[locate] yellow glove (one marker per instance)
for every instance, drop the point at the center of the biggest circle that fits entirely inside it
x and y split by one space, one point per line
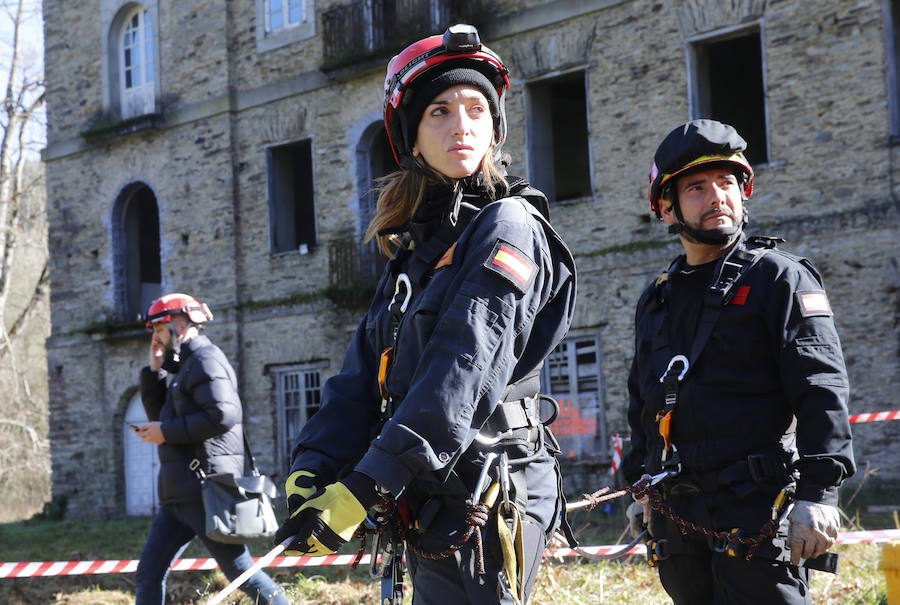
323 523
300 485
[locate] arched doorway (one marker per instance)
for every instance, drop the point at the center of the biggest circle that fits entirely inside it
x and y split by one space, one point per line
141 464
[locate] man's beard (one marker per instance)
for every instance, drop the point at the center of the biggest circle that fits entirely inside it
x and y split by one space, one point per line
171 362
718 235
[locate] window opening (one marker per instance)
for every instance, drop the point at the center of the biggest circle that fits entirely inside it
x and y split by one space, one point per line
299 392
559 159
572 376
137 60
140 250
291 205
729 87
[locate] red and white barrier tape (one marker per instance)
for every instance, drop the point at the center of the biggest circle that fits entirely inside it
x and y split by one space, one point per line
617 453
875 416
71 568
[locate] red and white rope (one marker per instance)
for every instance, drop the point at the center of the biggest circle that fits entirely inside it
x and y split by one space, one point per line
25 569
875 416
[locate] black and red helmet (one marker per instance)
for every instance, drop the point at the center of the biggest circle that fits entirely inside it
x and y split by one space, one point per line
456 57
694 144
164 308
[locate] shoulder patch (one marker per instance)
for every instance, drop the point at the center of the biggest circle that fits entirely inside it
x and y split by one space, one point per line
813 303
512 264
447 258
740 297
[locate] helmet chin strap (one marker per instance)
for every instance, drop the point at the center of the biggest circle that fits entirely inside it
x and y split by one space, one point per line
176 341
712 237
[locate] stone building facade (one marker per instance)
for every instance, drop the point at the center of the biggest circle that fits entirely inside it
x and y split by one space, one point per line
227 149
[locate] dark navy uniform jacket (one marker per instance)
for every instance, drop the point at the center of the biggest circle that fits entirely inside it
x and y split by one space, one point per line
773 354
200 415
499 301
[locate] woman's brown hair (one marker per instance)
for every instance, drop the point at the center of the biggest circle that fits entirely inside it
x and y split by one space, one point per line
401 192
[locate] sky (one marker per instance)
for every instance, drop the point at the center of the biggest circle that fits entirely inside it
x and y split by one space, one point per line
31 58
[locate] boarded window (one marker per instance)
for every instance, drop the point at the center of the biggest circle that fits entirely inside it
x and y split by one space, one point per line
572 376
292 215
558 158
729 87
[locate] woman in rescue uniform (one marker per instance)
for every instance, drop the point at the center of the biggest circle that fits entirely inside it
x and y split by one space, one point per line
479 289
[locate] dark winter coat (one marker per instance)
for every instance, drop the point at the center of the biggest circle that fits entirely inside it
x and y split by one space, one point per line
200 415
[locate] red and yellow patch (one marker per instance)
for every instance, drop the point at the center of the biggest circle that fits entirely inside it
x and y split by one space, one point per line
447 258
813 303
512 264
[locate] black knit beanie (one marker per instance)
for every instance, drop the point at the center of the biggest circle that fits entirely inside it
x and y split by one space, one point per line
442 80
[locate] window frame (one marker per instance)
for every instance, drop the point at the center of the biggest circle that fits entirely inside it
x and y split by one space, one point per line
269 39
123 263
279 374
536 152
272 201
113 18
696 96
601 451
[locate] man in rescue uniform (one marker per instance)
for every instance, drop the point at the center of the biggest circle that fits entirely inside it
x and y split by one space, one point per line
443 372
737 389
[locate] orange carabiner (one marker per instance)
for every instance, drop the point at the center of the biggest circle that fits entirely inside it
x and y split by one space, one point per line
384 364
665 427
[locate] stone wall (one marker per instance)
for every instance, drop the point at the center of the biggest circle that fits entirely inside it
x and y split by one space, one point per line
827 188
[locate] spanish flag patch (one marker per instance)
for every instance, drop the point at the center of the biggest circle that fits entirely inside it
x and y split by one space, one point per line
813 303
513 264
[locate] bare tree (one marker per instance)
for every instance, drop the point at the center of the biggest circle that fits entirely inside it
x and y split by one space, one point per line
24 282
24 96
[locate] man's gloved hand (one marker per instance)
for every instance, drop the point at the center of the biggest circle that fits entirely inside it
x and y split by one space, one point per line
638 515
328 519
300 485
813 529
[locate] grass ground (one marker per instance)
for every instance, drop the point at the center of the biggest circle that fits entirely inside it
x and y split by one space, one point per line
560 582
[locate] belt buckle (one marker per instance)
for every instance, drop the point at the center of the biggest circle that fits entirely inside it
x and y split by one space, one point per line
756 465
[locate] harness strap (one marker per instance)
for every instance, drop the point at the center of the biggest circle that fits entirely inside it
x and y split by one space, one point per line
510 532
717 297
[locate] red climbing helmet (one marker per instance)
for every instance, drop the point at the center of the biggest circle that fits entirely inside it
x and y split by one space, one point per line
430 66
165 307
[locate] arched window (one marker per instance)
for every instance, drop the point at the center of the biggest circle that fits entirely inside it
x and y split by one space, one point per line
136 64
136 243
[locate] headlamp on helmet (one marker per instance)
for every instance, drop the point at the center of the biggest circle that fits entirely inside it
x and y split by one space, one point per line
456 57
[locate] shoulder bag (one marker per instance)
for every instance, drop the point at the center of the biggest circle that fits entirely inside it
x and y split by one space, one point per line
238 509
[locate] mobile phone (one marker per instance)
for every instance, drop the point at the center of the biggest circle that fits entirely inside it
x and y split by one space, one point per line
134 427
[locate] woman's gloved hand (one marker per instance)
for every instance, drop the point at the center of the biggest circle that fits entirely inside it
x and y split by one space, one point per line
329 518
813 529
300 485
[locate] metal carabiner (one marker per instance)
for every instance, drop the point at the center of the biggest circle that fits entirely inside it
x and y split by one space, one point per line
482 478
504 479
485 440
672 362
403 278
